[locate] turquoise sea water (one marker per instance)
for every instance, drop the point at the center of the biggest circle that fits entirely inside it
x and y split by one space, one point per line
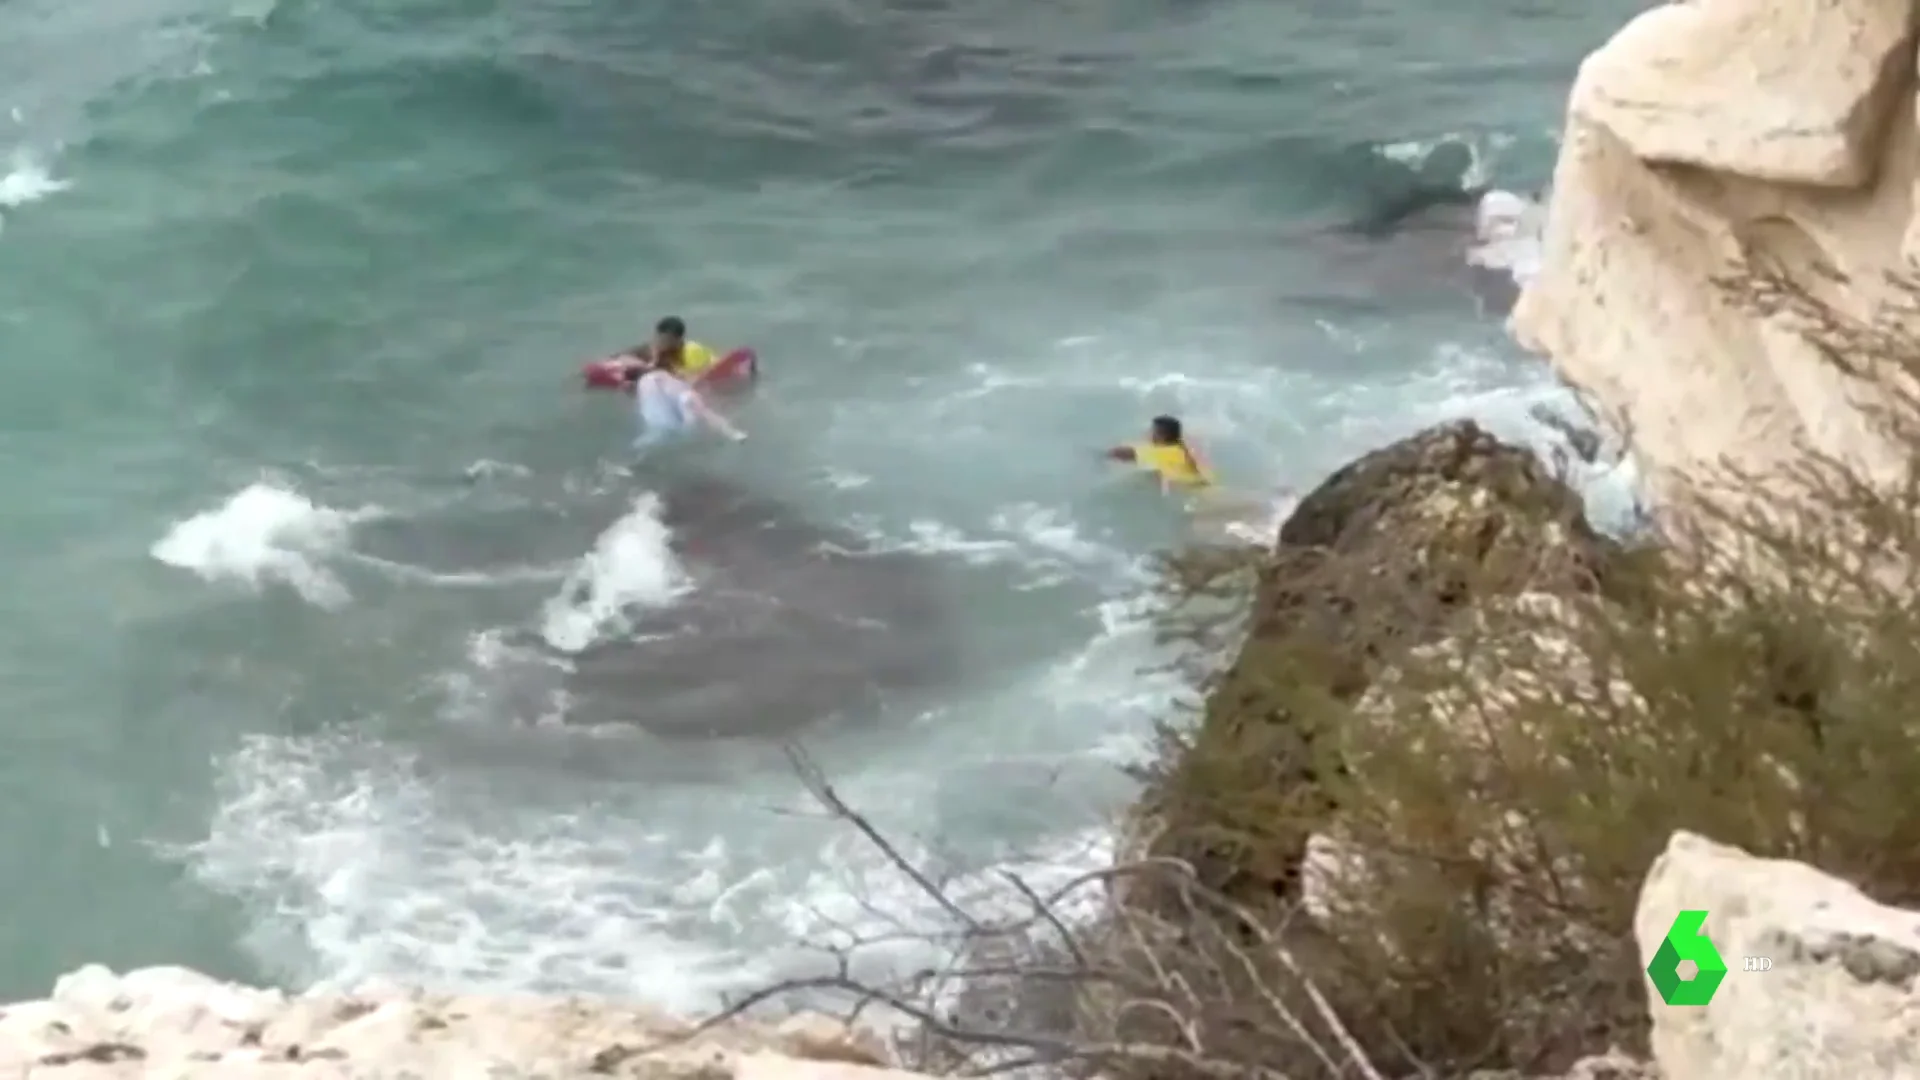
292 295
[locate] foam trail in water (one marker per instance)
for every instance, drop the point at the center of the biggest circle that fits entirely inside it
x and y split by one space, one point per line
261 535
630 566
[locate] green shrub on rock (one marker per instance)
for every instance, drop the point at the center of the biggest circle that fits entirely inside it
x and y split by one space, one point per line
1381 558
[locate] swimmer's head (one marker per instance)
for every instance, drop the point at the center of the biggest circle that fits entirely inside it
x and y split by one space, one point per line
669 336
1164 431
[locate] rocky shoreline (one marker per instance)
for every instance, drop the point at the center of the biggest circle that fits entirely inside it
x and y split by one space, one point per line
176 1023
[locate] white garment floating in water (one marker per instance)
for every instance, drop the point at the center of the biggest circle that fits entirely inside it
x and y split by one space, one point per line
664 407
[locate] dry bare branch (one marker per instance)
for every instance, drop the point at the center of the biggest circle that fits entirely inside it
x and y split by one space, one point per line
1132 994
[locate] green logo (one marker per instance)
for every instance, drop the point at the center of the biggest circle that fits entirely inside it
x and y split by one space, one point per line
1686 941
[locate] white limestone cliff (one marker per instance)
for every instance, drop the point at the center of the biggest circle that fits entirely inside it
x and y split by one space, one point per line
1841 1000
181 1025
1707 133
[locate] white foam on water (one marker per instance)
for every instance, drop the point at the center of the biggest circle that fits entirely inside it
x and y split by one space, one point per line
1468 382
365 870
846 479
1233 518
1043 541
361 866
631 565
265 534
28 179
358 861
489 469
1485 148
1508 233
471 693
1473 384
926 536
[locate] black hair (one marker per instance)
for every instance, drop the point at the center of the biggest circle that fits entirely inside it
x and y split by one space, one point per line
673 325
1168 428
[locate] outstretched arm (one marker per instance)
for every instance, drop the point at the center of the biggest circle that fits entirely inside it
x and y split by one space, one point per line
633 364
1122 453
712 418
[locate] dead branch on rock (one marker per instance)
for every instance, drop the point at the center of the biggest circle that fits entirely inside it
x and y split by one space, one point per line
1203 990
816 784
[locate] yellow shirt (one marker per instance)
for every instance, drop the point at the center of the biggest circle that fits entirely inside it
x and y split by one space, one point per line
695 357
1172 462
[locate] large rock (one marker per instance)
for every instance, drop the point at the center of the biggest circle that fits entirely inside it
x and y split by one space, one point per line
182 1025
1383 557
1783 90
1705 138
1841 1000
1391 547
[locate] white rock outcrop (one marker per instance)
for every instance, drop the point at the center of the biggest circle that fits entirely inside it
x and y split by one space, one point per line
1841 1000
178 1024
1705 136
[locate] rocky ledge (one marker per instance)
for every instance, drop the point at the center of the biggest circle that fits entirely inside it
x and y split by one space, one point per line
178 1024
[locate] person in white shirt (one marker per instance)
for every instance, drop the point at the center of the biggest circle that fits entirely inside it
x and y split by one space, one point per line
667 406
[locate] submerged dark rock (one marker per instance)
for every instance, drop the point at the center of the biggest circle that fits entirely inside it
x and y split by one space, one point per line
1419 255
788 623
